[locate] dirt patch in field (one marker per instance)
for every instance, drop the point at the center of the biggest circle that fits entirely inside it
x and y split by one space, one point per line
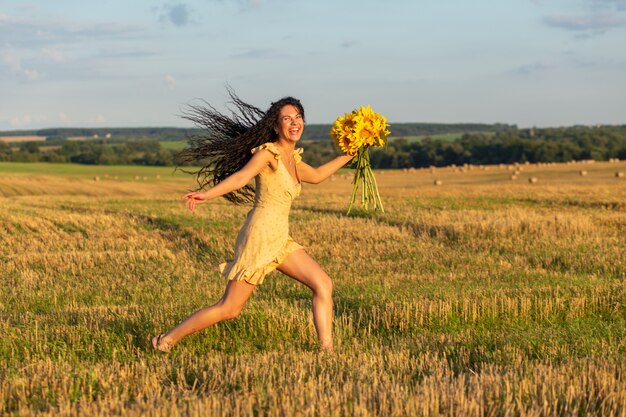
9 139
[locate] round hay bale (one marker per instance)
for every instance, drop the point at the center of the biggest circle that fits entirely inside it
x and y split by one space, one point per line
438 182
533 180
583 173
513 177
619 174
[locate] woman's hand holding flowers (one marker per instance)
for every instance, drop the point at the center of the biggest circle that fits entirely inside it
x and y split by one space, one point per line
354 133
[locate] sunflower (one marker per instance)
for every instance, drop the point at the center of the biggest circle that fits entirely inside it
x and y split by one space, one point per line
354 133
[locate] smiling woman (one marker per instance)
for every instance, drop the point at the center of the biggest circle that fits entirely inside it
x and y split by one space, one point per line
261 146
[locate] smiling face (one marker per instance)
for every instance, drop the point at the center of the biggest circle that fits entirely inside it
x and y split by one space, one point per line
290 123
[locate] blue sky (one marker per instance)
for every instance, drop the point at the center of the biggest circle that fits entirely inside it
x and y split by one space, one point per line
114 63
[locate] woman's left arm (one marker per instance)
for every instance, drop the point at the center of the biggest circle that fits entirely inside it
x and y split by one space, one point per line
316 175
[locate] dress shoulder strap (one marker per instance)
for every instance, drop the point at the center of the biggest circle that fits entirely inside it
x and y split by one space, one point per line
297 155
270 146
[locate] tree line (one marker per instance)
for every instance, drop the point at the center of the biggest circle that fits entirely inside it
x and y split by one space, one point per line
507 145
93 152
500 147
312 131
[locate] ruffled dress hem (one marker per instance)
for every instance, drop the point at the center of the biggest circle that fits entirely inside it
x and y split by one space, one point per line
256 275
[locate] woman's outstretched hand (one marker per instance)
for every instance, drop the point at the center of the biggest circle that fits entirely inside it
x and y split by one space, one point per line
195 198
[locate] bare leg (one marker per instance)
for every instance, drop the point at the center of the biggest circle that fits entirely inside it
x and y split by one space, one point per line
301 267
228 307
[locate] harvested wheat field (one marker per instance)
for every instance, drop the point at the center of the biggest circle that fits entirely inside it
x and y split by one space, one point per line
479 292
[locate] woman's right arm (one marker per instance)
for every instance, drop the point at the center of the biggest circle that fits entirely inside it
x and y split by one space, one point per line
257 163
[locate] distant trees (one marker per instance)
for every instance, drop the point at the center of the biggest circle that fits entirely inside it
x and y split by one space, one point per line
92 153
506 145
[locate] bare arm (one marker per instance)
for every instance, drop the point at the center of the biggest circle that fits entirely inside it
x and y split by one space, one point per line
257 163
316 175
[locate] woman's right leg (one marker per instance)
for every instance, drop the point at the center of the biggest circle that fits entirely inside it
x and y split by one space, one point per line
228 307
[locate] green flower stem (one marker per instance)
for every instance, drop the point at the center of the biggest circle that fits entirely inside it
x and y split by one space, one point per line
364 177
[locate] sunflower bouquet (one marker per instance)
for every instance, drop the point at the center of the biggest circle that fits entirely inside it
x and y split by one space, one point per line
354 133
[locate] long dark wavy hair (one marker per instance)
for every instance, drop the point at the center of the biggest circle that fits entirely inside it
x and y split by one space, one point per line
223 146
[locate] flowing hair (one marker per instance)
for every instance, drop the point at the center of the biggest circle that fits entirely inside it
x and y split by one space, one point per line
224 144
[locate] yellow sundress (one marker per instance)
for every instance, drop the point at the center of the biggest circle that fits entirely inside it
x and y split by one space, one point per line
263 242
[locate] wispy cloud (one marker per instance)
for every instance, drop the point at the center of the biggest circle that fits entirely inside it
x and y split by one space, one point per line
584 27
604 4
533 68
31 33
593 23
259 54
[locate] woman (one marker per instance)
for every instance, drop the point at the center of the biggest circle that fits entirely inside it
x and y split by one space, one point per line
259 145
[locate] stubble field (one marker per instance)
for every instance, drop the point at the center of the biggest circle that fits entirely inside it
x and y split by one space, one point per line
483 296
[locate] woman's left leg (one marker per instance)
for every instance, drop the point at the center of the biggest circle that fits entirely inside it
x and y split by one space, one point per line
301 267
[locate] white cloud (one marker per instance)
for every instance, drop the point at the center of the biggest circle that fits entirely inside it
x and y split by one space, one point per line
11 60
63 118
21 121
14 63
170 81
33 75
97 120
51 54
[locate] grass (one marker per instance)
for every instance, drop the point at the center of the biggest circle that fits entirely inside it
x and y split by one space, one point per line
482 296
86 171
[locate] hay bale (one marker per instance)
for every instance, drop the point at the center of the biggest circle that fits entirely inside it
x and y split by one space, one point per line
533 180
583 173
438 182
619 174
96 178
513 177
